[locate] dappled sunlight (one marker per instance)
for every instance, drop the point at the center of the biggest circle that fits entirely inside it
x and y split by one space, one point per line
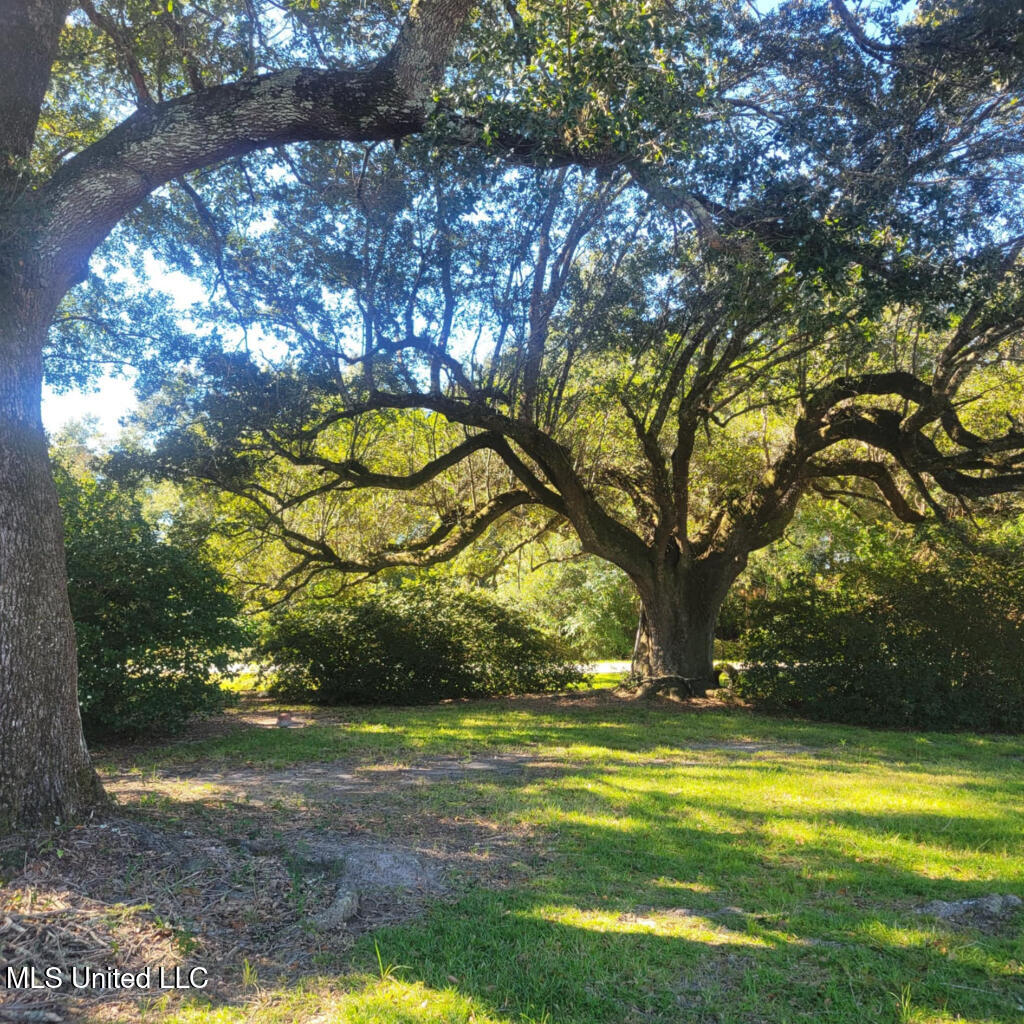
150 790
358 1000
636 863
625 733
650 921
555 818
675 884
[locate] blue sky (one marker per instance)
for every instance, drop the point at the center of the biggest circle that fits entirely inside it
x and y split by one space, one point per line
114 399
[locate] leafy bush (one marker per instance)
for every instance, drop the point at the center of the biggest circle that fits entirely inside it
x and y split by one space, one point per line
930 647
412 646
151 618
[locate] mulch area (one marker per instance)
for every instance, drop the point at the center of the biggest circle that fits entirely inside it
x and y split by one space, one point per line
121 894
196 885
617 699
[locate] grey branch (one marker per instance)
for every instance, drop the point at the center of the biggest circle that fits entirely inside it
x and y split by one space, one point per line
163 141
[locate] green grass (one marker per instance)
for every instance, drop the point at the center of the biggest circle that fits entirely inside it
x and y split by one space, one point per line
650 828
606 680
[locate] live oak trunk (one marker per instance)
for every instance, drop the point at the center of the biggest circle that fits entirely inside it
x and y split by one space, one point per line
674 652
45 771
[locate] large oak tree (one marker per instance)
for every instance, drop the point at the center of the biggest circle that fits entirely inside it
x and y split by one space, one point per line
484 344
787 219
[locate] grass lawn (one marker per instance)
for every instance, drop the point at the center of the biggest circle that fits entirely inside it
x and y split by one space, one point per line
666 866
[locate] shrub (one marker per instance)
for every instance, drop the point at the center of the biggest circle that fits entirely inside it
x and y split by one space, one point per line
904 646
412 646
151 619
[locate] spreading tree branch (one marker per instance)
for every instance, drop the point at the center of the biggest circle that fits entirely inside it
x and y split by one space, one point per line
879 475
388 100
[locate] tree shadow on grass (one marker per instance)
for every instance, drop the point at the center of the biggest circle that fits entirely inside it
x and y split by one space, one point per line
709 927
716 925
711 883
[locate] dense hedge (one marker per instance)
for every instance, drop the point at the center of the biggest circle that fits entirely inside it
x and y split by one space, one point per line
412 646
151 618
906 646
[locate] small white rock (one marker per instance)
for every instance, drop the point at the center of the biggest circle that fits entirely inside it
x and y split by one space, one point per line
344 907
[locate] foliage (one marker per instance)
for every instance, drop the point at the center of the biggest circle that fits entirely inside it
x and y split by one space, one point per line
412 646
589 602
668 401
912 643
653 274
151 618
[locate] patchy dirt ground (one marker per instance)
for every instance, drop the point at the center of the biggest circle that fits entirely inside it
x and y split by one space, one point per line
241 872
325 782
252 873
992 914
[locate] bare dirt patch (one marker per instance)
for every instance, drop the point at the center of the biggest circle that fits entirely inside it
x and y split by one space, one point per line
242 872
622 696
121 894
324 782
258 711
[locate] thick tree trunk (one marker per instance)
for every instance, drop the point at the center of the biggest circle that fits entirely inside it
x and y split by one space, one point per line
45 771
674 651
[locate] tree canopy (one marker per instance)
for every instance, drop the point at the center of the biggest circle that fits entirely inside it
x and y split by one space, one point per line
575 345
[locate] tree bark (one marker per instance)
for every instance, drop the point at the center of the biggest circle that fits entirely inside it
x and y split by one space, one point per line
674 650
45 772
29 31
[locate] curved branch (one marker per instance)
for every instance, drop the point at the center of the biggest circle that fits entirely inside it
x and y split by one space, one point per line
692 206
599 532
541 493
897 382
452 536
870 46
92 191
879 475
353 473
828 418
